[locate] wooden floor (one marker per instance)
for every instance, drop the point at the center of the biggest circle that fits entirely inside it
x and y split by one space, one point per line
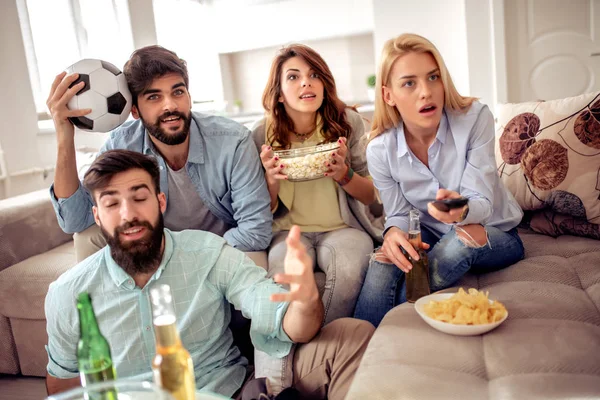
14 387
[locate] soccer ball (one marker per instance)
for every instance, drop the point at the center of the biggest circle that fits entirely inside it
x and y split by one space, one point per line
105 93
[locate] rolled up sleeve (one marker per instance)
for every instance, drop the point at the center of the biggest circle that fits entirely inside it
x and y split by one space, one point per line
63 335
74 213
246 286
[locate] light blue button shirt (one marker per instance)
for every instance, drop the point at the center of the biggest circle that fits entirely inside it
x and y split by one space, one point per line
461 158
205 275
224 167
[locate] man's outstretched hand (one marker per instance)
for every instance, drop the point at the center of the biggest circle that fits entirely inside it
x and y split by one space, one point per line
298 272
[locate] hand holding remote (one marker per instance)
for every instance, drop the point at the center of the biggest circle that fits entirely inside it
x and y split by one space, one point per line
448 206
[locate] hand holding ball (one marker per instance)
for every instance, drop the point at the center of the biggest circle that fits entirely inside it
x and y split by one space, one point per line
105 92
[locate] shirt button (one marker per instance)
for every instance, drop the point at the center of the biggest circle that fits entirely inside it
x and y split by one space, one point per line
161 167
130 282
148 328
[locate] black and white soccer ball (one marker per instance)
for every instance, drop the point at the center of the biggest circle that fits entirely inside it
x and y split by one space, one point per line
105 93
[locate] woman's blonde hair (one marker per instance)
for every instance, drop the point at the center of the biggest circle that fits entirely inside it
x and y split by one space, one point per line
386 116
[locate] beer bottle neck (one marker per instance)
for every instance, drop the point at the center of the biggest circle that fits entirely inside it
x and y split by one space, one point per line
414 238
166 332
88 325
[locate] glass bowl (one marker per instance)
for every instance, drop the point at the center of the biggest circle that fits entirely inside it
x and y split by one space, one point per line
126 390
306 163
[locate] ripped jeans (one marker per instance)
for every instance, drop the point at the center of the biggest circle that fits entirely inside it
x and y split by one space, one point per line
450 257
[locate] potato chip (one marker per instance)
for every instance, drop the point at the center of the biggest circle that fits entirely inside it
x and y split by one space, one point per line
466 308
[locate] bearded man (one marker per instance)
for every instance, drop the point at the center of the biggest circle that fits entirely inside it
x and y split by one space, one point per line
205 274
210 171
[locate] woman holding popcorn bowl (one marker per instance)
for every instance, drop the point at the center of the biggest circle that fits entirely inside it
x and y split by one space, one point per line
312 147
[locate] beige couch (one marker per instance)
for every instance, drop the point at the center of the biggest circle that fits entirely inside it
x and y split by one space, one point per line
548 348
34 251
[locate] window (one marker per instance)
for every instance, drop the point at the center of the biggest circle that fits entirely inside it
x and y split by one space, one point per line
187 27
59 33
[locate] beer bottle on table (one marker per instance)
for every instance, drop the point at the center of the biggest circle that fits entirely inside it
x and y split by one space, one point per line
93 351
172 365
417 280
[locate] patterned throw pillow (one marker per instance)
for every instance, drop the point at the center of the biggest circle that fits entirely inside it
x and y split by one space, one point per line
555 224
548 156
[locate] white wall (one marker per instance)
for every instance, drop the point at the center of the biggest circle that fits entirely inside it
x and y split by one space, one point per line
480 43
270 24
443 22
462 30
349 58
18 116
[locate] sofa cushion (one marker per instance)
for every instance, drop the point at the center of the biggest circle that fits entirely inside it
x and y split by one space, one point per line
548 156
23 286
548 347
554 223
28 226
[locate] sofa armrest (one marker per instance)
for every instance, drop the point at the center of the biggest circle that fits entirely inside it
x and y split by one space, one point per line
28 227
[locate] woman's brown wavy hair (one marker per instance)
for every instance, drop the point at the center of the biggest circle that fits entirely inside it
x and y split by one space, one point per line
332 111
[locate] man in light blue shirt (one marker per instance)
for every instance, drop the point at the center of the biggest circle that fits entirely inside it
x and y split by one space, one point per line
209 168
205 274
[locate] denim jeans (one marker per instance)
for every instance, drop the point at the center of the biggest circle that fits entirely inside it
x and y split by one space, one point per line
449 259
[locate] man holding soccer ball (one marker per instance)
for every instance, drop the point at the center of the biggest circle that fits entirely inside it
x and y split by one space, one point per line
209 167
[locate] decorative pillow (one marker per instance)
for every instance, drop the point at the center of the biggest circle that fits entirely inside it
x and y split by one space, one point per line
548 155
554 224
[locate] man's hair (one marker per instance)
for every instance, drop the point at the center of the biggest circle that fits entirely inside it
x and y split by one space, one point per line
149 63
112 162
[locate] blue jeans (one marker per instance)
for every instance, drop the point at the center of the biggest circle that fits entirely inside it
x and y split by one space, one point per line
449 259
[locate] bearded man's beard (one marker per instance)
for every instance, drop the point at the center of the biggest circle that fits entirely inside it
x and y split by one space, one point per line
155 130
139 256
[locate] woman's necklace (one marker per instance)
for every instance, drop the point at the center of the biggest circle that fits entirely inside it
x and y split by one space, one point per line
303 136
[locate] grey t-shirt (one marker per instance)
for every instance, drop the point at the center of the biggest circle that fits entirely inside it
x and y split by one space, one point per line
185 209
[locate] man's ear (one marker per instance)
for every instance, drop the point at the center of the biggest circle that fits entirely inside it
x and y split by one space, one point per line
135 113
162 202
96 218
387 96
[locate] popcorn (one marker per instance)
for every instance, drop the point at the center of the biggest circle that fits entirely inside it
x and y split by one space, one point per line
306 163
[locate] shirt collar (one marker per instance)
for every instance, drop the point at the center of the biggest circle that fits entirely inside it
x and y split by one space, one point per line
121 278
196 150
441 134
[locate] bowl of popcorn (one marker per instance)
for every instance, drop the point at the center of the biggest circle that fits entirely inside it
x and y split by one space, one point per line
306 163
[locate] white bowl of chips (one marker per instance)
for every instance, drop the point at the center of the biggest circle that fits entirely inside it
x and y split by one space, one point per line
462 313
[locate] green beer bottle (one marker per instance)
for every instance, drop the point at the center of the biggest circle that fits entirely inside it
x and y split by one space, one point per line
93 352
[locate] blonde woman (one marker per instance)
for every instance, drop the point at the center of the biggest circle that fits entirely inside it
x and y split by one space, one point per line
430 143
